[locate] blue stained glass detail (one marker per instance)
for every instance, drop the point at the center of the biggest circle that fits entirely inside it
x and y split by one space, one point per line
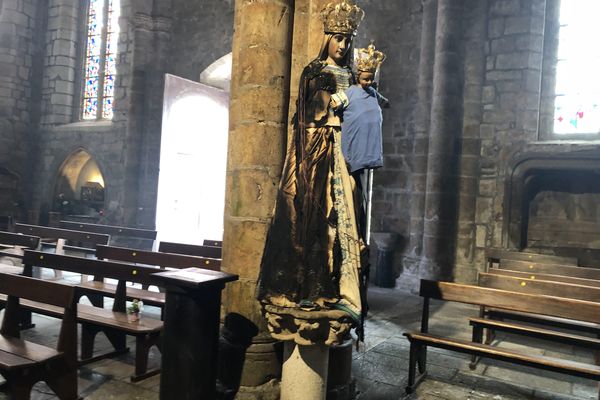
101 62
94 45
109 86
92 66
94 28
107 108
110 67
91 87
90 108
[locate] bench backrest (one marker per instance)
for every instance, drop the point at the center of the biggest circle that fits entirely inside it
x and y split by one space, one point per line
88 266
16 239
164 260
545 277
552 269
536 286
210 242
580 310
110 230
191 249
123 272
47 292
46 232
495 255
53 293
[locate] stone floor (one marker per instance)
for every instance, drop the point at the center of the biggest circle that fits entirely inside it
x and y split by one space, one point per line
379 366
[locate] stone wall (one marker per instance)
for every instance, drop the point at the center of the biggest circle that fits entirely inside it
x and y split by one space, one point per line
20 24
502 64
511 99
400 41
61 132
202 35
127 149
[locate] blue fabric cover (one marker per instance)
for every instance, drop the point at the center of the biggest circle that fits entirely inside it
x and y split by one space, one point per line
361 129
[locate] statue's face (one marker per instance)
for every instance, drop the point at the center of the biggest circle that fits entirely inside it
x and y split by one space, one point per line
338 47
365 79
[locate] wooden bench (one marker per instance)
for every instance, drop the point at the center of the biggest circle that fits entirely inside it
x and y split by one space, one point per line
119 235
495 318
52 237
521 302
550 269
23 363
58 239
545 277
114 323
544 284
12 246
160 260
494 255
215 243
191 249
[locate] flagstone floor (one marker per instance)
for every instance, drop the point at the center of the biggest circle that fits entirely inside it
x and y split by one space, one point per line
379 366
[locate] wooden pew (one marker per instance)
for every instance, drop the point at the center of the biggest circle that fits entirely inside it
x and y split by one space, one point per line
540 286
9 240
159 260
119 235
494 255
52 236
550 269
57 238
495 320
214 243
190 249
520 302
23 363
114 323
545 277
544 284
12 246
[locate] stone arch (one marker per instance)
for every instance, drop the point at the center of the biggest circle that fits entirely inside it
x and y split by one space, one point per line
532 170
218 74
79 186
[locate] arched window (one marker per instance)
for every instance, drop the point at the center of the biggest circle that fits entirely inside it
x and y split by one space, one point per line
100 59
577 101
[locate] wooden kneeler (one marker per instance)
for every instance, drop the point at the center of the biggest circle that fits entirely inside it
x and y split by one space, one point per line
23 363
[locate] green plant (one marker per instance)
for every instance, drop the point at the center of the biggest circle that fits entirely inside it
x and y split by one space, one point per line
135 307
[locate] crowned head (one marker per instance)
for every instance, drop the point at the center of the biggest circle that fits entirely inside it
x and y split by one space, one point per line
369 59
342 16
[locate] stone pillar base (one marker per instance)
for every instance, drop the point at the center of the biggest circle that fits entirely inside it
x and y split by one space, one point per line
304 374
268 391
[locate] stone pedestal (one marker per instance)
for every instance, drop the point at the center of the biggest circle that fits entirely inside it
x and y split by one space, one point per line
304 373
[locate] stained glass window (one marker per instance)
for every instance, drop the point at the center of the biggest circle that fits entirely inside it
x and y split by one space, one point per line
577 102
100 59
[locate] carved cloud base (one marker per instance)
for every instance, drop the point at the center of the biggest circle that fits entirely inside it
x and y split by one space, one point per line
329 327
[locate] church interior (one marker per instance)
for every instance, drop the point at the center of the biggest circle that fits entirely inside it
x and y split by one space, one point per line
153 122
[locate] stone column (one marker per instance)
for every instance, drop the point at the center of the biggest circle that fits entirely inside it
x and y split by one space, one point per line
308 34
441 199
475 31
257 137
421 139
304 371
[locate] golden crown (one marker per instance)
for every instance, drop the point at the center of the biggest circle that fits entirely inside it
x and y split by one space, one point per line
369 59
341 17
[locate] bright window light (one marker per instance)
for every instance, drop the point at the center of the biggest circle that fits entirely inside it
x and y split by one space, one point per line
577 102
